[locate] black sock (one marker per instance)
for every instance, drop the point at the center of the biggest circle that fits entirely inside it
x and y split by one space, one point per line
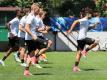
22 60
27 68
4 58
76 63
37 58
18 54
37 55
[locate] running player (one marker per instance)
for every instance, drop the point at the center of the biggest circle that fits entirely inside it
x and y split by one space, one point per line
31 36
12 35
21 35
44 30
82 37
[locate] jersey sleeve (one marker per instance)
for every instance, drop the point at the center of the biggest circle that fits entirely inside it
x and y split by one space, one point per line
22 22
12 21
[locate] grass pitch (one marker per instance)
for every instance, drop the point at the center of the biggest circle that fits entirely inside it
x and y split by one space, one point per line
59 67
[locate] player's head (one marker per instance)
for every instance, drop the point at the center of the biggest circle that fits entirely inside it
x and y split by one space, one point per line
26 11
18 12
35 8
42 14
96 13
88 14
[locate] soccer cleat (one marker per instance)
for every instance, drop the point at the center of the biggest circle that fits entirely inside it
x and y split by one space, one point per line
16 58
23 64
76 69
45 60
37 65
27 73
84 53
2 63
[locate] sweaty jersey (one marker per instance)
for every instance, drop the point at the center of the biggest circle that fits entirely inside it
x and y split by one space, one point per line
22 23
32 21
84 24
14 26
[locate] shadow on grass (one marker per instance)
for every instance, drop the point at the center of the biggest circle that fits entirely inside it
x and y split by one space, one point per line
47 67
46 63
90 69
42 74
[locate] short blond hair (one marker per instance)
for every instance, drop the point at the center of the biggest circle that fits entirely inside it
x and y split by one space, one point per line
34 4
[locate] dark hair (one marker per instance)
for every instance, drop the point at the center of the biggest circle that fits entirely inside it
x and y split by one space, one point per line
84 12
96 13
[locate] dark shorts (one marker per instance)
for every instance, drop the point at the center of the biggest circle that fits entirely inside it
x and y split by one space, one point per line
42 42
36 44
31 45
82 43
21 42
13 42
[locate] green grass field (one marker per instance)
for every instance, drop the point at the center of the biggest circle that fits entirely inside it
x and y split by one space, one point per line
59 67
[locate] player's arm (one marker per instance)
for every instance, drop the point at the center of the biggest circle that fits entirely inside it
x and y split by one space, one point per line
8 26
27 28
21 28
44 30
73 26
93 26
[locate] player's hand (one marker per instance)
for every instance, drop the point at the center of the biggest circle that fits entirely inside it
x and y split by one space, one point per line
11 35
34 37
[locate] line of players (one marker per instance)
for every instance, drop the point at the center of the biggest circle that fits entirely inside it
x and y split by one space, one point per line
30 29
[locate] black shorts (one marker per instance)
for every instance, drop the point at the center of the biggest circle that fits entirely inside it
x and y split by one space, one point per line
36 44
42 42
82 43
21 42
31 45
13 42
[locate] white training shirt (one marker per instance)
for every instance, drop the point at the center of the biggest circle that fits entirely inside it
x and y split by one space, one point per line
39 25
22 23
84 24
14 26
32 21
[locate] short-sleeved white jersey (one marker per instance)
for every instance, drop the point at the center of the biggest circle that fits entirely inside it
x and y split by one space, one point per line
22 23
84 24
32 21
39 25
14 26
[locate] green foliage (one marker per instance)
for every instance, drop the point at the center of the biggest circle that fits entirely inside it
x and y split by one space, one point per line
100 7
8 3
61 7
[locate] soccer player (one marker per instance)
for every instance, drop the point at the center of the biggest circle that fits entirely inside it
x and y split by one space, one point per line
21 35
12 35
45 30
82 38
31 36
96 19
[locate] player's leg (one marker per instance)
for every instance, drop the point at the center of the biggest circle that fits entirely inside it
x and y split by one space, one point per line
16 56
92 43
43 55
22 50
31 49
11 49
29 55
80 47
